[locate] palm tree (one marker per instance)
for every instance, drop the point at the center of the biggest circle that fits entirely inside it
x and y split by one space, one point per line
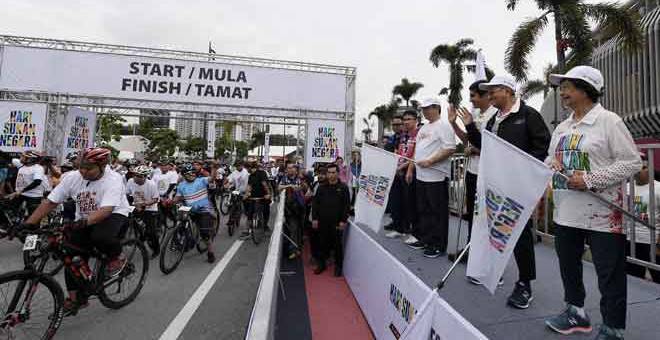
533 87
384 113
455 55
406 90
572 31
367 131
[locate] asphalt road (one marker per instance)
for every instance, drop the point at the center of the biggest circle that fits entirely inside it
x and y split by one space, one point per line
224 313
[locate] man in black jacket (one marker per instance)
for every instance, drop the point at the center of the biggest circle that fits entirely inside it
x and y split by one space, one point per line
523 127
330 207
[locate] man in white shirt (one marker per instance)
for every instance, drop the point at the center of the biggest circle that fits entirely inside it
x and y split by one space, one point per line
144 196
166 182
238 179
436 142
31 181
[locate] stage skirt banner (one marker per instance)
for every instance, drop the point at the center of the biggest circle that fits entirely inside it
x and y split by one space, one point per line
79 130
23 126
392 297
507 193
374 184
161 79
325 141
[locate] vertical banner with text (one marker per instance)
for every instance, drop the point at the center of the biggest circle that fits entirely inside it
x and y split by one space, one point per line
374 184
325 141
506 200
23 126
210 139
79 130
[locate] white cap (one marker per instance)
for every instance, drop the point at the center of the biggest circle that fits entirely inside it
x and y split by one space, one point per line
430 101
506 81
589 74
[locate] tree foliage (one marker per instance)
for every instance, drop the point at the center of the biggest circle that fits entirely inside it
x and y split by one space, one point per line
455 55
194 146
406 90
573 37
163 143
109 127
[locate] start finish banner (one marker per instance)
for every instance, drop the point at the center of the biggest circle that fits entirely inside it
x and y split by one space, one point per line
23 126
124 76
79 130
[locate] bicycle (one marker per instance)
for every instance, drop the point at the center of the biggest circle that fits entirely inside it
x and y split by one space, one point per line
23 314
11 218
183 237
224 202
235 211
256 224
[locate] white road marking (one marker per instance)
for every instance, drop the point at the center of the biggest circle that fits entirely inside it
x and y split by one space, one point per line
181 320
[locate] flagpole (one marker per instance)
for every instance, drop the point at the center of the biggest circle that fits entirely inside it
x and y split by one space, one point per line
442 282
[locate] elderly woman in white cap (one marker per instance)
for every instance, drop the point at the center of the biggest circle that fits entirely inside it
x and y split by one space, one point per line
522 126
596 152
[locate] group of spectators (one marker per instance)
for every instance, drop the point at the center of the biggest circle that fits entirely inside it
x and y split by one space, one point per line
592 150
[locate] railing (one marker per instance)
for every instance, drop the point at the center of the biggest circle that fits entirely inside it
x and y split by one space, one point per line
262 320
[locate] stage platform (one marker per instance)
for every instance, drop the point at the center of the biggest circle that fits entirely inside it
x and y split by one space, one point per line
490 314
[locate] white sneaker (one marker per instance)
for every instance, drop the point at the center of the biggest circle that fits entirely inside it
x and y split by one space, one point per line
410 240
475 281
393 234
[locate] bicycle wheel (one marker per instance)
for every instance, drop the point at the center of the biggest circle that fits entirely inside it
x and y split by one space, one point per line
172 249
258 230
224 204
37 317
118 291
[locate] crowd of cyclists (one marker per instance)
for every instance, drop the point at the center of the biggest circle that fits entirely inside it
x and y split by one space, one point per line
95 196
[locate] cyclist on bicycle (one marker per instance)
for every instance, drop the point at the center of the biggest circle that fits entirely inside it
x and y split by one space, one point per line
238 179
30 181
193 192
166 182
143 195
101 213
257 187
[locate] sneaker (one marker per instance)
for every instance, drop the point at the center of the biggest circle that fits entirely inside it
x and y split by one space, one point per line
71 307
417 245
389 227
410 240
607 333
210 257
115 266
521 296
432 252
475 281
569 322
393 234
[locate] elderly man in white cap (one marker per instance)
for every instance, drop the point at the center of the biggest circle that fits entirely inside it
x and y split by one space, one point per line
522 126
595 150
435 144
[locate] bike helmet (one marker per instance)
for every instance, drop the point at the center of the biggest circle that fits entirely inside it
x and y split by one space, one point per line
99 156
31 156
72 156
187 169
143 170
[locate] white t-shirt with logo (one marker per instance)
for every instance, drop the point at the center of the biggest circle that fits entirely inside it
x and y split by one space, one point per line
480 119
156 172
142 193
163 181
90 196
239 180
28 174
431 138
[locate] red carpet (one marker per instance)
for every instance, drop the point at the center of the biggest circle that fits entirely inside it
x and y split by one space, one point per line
333 311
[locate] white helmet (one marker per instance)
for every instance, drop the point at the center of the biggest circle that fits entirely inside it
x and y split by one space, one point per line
143 170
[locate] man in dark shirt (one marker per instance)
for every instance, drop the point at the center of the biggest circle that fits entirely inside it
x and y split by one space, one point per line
258 188
330 207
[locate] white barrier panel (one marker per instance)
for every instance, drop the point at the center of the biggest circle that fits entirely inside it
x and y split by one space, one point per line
79 130
23 126
390 296
160 79
262 320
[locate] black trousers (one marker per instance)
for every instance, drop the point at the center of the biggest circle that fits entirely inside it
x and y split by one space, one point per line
326 239
151 233
433 213
31 203
642 253
608 252
470 195
103 236
525 255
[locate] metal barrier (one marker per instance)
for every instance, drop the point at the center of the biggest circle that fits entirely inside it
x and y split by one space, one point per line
262 320
457 183
545 227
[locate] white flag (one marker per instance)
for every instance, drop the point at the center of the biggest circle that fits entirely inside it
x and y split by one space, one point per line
376 177
508 192
480 73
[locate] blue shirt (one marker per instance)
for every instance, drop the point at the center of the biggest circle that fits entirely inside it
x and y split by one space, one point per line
195 194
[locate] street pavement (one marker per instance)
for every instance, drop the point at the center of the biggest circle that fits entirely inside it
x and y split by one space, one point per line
224 313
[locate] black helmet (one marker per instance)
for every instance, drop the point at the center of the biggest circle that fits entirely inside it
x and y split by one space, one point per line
187 169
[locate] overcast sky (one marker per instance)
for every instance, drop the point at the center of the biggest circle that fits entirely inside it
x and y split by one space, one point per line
385 40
